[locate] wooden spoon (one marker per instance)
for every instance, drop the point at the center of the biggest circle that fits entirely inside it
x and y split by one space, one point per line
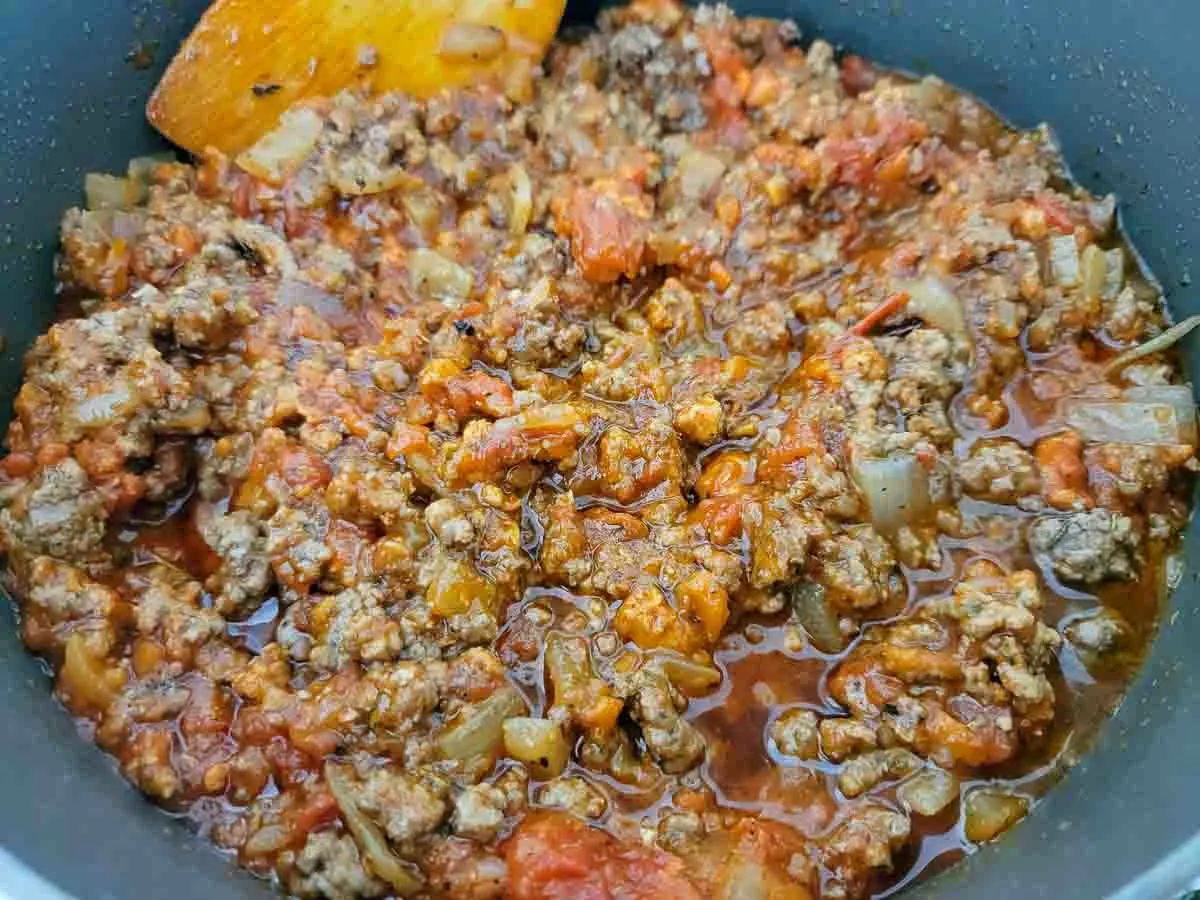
249 60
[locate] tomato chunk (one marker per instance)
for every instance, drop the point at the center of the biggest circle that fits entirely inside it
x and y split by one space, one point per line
607 240
554 856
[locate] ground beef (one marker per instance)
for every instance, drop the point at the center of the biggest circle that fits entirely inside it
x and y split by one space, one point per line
1000 472
358 628
65 594
1099 635
674 742
862 773
858 569
170 609
865 841
842 738
795 733
972 700
330 867
479 811
1088 547
58 513
245 572
574 794
462 869
406 807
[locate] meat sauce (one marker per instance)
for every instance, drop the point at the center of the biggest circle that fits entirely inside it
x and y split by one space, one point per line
708 469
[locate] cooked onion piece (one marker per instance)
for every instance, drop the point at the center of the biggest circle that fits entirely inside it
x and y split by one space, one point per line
1156 414
378 855
539 743
896 488
990 813
479 729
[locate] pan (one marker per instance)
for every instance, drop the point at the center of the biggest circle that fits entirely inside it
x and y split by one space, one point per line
1118 82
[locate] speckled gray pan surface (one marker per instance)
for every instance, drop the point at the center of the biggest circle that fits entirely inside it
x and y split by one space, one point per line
1120 82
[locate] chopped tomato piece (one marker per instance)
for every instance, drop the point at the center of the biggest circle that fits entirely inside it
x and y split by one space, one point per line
443 384
607 240
1056 212
720 516
858 75
729 472
19 465
554 856
320 809
489 450
1064 475
304 471
978 741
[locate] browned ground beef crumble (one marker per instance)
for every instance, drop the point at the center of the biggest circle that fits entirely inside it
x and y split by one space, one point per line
508 465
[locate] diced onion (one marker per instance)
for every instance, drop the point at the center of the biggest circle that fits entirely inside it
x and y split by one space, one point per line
85 678
746 879
422 208
862 773
521 199
1101 213
1114 273
928 792
1093 271
581 145
140 173
127 224
479 729
377 854
108 191
936 305
691 677
141 169
815 613
1064 260
268 839
572 684
297 292
192 419
97 224
102 410
435 276
568 665
279 152
539 743
1145 415
1155 345
1177 395
457 588
895 488
990 813
697 173
469 41
354 177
